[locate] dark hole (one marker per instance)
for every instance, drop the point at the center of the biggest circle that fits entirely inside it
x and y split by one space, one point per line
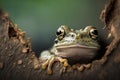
11 32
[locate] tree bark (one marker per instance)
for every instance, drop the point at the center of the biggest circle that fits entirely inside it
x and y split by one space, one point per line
18 60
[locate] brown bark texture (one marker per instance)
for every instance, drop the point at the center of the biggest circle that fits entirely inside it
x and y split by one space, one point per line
18 60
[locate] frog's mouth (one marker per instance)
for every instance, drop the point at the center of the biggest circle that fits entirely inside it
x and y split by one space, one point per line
75 46
76 51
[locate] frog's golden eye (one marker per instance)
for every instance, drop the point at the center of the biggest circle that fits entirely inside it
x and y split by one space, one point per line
93 33
60 33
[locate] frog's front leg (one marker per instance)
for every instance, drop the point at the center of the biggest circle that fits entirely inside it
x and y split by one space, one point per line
48 64
50 60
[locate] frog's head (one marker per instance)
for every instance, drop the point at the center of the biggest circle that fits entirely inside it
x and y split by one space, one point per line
70 42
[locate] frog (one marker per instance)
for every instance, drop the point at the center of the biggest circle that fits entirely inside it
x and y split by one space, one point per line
77 45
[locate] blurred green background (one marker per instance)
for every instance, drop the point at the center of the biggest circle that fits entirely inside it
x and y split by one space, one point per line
41 18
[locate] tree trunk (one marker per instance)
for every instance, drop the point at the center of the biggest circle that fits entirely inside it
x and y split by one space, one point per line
18 60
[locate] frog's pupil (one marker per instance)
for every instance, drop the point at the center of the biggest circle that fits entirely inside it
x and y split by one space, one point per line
95 32
72 35
58 32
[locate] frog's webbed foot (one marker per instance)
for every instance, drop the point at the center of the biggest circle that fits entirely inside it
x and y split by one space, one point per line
81 67
49 63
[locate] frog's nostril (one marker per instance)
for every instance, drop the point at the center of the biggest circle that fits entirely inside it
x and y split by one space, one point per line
72 35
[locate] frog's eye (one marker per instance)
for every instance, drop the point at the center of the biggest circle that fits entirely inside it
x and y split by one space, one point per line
60 33
93 33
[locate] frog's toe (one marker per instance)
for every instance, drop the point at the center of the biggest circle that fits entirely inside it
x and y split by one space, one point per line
49 71
51 62
74 66
64 61
45 64
87 66
81 68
